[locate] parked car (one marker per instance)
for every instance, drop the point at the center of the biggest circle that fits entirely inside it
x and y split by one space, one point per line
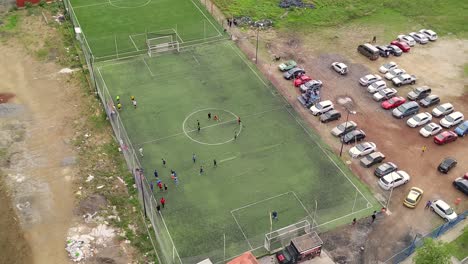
443 210
445 137
430 100
413 198
462 129
372 159
452 119
385 169
314 84
340 68
461 184
406 109
369 79
362 149
384 51
377 86
394 73
394 50
404 79
388 67
419 93
384 94
402 45
430 129
393 102
353 136
321 107
300 80
419 119
287 65
419 37
369 51
431 35
408 39
447 164
442 110
330 116
343 128
394 179
293 73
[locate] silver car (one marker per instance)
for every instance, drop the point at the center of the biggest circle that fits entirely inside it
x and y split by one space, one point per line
419 37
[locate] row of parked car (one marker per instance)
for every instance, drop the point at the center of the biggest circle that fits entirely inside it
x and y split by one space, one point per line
403 43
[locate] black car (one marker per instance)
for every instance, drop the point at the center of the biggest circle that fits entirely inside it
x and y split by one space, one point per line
330 116
385 169
461 184
447 164
430 100
384 51
394 50
293 73
371 159
419 93
353 136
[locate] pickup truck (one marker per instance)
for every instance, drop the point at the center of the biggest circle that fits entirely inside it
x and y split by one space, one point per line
301 248
404 79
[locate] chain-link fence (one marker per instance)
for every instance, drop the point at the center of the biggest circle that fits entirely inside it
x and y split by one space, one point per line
418 240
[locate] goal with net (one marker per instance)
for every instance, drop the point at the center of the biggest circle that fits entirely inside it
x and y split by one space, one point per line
278 239
158 44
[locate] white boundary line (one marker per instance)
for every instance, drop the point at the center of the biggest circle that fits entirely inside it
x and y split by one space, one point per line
130 36
147 66
261 201
219 33
303 206
125 7
102 3
240 228
195 58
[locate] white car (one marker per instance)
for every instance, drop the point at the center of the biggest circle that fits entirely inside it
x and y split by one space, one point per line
384 94
340 67
442 110
369 79
430 129
377 86
394 73
419 119
387 67
452 120
443 210
394 179
362 149
321 107
431 35
419 37
408 39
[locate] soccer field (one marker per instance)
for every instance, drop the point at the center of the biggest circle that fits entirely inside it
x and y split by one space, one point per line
269 162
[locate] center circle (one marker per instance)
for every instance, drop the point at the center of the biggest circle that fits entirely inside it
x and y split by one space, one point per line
129 4
226 120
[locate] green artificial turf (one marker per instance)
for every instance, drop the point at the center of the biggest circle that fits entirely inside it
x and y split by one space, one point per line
273 165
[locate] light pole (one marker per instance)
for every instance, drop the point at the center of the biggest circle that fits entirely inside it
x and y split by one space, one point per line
391 191
346 126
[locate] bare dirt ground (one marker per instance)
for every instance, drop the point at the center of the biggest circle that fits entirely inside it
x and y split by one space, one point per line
439 65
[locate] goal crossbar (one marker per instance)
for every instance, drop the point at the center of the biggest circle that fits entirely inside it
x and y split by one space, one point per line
277 239
162 44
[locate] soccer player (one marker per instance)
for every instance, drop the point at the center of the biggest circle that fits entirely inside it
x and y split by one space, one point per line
215 118
274 215
119 106
194 158
238 120
132 98
156 174
162 201
201 170
164 162
134 103
209 116
215 164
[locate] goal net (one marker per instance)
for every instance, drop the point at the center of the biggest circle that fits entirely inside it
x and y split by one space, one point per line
162 44
278 239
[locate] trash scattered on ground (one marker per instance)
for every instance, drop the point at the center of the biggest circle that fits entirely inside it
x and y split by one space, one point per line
82 243
295 3
22 206
67 70
121 180
247 21
90 178
100 187
59 18
263 23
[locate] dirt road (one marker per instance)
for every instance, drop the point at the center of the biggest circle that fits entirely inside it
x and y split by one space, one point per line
39 168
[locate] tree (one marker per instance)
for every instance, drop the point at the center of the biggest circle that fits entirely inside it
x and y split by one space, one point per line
432 252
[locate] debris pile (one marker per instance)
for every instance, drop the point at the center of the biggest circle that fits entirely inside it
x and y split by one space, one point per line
295 3
247 21
263 23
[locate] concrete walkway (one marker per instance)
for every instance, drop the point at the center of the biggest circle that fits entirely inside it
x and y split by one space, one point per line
448 237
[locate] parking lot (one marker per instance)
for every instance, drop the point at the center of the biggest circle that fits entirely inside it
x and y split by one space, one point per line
439 65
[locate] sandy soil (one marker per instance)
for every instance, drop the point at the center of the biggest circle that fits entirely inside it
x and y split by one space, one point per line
40 169
439 65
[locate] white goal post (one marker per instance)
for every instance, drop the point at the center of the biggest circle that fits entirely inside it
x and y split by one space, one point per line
162 44
278 239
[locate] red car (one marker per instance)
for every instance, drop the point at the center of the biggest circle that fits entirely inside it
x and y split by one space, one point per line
393 102
402 45
301 80
445 137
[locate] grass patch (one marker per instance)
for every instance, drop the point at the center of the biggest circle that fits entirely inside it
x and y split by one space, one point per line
459 247
465 69
443 16
11 22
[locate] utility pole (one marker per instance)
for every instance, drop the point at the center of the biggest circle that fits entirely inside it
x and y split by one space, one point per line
256 49
346 126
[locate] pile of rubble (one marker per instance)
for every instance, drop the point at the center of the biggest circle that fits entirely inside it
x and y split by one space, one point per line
247 21
295 3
